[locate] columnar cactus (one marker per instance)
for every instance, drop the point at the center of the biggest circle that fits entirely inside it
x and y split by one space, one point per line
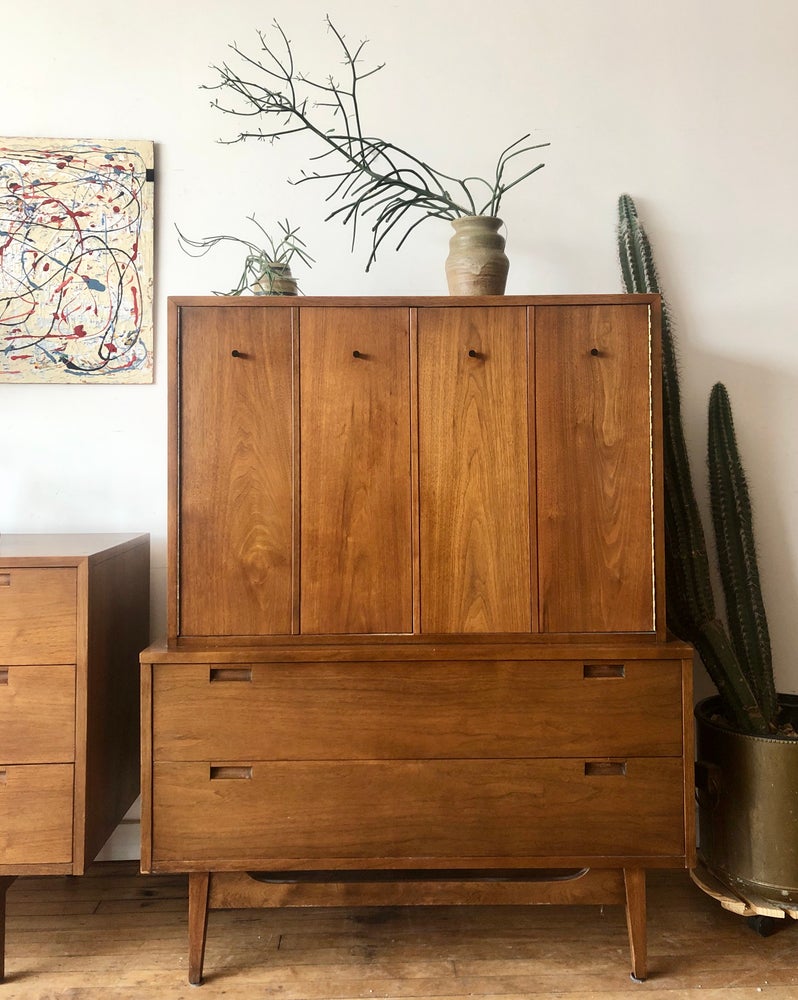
734 536
738 661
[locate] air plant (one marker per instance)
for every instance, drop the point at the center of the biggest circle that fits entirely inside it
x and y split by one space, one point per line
370 175
266 264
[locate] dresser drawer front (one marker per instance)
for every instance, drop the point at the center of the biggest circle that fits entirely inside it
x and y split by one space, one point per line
37 615
37 714
365 711
431 812
36 814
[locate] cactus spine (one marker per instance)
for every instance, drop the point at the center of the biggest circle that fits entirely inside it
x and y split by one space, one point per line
738 673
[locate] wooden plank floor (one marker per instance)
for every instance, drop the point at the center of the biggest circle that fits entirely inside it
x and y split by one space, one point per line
115 934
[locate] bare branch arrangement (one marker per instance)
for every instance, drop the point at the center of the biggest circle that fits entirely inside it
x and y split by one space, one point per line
266 263
371 175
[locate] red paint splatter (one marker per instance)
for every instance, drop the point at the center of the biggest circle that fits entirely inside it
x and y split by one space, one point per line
116 208
111 348
80 330
61 165
134 290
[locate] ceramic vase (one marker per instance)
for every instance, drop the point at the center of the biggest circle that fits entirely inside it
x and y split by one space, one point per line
477 264
278 280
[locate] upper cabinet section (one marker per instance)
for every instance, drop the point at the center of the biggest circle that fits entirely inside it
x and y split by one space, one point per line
414 467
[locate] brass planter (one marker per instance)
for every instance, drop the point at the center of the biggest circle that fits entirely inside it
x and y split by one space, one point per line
747 793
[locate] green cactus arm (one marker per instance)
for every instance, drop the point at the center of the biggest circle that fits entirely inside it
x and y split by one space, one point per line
739 700
733 522
687 563
690 602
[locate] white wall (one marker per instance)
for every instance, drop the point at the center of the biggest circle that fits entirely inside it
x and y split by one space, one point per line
689 106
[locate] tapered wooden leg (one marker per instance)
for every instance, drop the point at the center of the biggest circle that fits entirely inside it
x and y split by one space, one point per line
5 882
635 883
198 885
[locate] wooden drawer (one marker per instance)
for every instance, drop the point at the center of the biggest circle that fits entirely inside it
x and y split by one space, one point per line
37 714
384 814
37 615
36 814
364 711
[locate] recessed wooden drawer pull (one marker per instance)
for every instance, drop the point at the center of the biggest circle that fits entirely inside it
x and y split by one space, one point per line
5 579
605 768
222 772
241 674
603 670
2 776
3 675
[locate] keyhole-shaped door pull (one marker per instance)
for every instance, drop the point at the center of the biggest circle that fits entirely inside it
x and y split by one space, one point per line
238 354
358 354
595 352
474 354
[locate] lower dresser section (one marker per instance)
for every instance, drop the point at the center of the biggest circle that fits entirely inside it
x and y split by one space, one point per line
398 757
36 813
426 813
388 774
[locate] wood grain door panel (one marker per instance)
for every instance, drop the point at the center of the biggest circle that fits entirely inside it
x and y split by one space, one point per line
236 472
356 552
594 468
474 470
38 609
36 814
362 711
37 714
387 813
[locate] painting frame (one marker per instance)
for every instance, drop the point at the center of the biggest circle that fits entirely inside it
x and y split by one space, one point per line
76 261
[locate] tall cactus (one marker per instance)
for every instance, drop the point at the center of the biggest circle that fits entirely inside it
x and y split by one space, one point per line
690 600
733 523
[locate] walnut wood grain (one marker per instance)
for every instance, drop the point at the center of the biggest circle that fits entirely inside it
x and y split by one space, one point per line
594 469
37 615
235 472
356 486
36 813
198 884
5 882
635 885
474 470
37 714
384 811
283 711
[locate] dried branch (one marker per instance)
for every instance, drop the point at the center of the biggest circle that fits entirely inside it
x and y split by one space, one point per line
376 176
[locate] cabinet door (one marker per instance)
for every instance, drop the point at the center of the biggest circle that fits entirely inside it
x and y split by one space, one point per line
235 475
594 468
474 470
356 552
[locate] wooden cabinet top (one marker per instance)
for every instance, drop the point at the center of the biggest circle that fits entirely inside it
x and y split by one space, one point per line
409 301
67 549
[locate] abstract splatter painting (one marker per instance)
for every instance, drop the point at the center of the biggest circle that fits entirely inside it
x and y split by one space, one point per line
76 239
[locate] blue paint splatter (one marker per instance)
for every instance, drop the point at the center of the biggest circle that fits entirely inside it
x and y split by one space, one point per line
94 284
